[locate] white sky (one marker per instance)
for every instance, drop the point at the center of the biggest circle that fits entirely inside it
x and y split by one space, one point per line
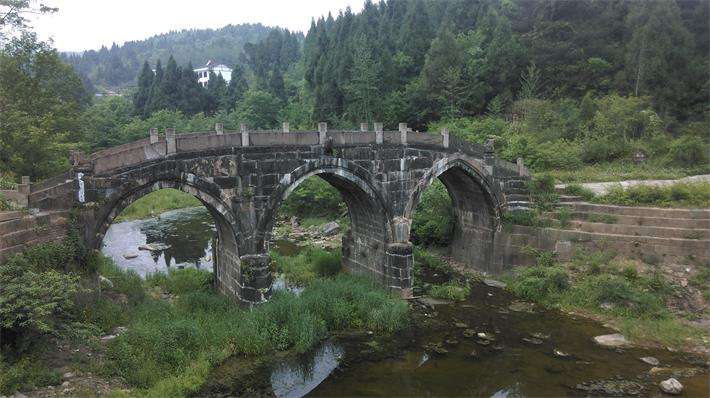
89 24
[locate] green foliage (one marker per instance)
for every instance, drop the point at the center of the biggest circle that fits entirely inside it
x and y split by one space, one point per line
625 294
181 281
564 215
308 264
579 190
313 197
41 99
688 151
454 290
158 202
540 282
676 195
26 374
433 222
542 190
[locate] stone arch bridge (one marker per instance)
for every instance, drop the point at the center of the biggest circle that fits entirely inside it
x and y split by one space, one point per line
242 178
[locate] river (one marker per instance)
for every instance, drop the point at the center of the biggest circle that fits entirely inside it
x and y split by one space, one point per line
522 349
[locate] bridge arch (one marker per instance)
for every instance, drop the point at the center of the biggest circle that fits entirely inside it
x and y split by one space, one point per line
478 204
226 252
364 245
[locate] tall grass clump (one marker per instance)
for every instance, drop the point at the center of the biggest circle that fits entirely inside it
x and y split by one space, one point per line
180 281
308 264
579 190
453 290
676 195
540 283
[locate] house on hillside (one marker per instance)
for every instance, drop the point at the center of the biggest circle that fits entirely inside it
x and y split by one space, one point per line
203 74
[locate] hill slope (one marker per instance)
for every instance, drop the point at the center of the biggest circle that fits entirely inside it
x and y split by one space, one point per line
118 66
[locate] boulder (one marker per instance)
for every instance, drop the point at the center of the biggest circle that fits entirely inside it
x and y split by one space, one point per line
494 283
130 255
651 361
330 229
671 386
105 281
611 340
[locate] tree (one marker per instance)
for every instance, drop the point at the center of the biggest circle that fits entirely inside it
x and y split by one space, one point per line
216 92
157 99
259 110
12 15
102 122
441 74
41 99
237 87
142 97
362 89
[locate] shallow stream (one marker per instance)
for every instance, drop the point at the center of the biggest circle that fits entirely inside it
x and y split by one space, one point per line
526 350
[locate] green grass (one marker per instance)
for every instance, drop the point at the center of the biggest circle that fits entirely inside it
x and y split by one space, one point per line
602 218
307 265
694 195
626 170
169 348
579 190
158 202
453 290
634 302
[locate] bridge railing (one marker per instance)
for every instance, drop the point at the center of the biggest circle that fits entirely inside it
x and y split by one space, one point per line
157 147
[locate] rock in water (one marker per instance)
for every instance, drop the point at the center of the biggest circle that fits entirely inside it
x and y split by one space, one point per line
494 283
611 340
153 246
130 255
671 386
331 228
651 361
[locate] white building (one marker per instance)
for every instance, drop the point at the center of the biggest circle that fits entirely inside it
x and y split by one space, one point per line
203 74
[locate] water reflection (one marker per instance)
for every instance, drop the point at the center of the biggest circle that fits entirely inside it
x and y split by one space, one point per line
185 234
298 377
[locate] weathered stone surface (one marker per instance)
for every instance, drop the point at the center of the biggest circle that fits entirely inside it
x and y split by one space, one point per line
671 386
330 228
243 178
612 340
651 361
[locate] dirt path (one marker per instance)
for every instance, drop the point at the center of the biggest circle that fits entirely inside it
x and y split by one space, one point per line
600 188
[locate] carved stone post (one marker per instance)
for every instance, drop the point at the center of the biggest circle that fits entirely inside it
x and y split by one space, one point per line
153 135
245 134
171 141
284 127
445 137
322 132
403 133
364 127
219 128
379 136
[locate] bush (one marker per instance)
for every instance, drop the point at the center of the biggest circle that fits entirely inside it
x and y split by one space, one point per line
626 295
604 149
688 151
540 283
558 154
542 189
579 190
327 263
308 264
450 291
564 216
181 281
676 195
33 299
433 222
26 374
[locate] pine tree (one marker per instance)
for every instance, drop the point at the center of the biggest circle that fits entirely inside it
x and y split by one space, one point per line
192 95
237 87
156 100
169 86
216 93
142 97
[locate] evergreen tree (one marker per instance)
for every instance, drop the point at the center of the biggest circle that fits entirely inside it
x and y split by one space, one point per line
170 84
142 97
157 100
192 95
362 90
237 87
216 93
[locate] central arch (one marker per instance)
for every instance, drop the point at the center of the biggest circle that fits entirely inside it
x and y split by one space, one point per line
364 245
478 204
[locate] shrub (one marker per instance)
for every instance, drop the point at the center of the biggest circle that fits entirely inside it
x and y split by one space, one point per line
604 149
626 295
676 195
34 301
688 151
26 374
558 154
327 263
450 291
564 216
539 283
579 190
542 189
433 222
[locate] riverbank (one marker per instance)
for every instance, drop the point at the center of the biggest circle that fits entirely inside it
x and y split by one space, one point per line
156 203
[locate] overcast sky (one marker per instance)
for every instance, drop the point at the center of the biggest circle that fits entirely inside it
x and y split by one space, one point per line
89 24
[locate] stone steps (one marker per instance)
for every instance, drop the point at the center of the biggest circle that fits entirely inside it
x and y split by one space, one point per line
569 198
667 222
11 215
639 246
656 212
640 230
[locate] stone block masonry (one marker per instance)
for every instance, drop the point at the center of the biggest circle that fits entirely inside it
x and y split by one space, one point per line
244 177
